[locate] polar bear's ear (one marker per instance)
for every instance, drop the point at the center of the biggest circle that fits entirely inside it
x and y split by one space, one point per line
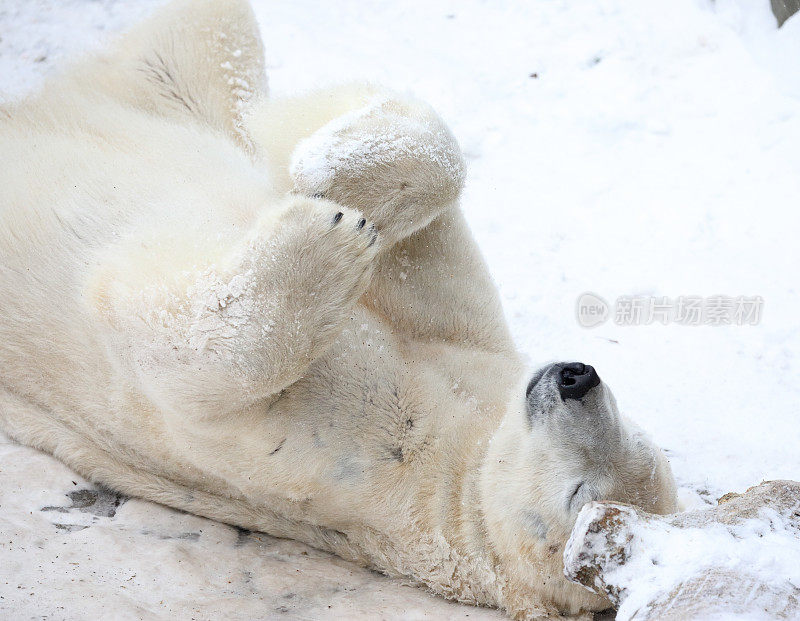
198 60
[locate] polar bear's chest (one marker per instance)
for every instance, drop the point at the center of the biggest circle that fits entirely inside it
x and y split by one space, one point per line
379 405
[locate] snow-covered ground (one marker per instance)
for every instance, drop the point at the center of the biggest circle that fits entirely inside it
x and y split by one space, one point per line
622 148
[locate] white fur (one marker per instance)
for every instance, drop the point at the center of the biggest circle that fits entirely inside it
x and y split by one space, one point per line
186 318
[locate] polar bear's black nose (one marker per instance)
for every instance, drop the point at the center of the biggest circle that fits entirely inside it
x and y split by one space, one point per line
575 379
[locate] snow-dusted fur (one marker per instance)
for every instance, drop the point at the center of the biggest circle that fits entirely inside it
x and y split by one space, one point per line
272 313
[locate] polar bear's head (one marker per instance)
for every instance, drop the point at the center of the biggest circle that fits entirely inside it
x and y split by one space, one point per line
563 443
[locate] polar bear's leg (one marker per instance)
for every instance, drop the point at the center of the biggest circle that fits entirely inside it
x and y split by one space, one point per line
205 338
195 61
391 157
436 287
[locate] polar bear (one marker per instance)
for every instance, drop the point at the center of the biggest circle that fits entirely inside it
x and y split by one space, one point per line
272 313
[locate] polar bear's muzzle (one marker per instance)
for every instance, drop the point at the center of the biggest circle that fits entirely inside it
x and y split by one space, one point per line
574 407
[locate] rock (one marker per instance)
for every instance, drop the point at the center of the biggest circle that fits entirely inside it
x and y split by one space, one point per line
738 559
784 9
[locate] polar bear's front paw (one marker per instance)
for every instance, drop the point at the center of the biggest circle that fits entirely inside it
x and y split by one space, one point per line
319 259
347 250
339 241
394 160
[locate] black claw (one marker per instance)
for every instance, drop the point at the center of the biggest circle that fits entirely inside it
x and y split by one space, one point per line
361 223
374 234
336 218
318 195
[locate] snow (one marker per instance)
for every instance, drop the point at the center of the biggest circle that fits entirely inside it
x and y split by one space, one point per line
742 557
613 147
750 548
